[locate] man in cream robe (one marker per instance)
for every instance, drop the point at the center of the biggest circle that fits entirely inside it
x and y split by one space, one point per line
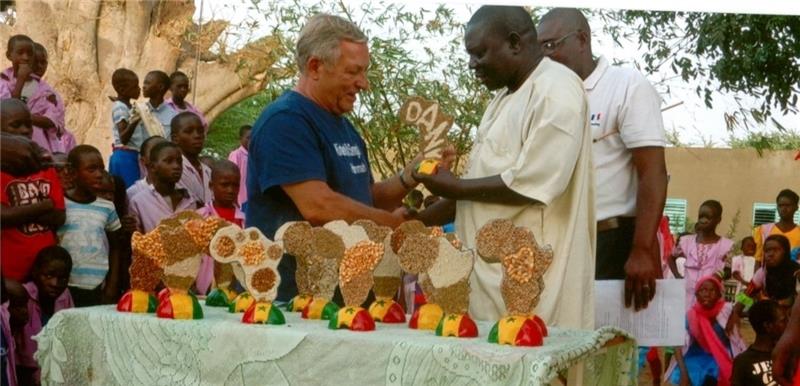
530 163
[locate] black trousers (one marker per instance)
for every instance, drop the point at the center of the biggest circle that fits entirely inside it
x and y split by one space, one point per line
613 248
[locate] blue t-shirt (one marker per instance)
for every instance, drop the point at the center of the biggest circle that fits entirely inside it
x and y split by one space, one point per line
295 140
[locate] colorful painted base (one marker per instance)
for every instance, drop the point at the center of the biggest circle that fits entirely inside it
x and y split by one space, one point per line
180 306
352 318
387 311
220 297
137 301
519 331
459 326
263 313
298 303
320 308
426 317
241 303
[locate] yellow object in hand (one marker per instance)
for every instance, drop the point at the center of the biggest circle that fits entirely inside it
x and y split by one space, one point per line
428 166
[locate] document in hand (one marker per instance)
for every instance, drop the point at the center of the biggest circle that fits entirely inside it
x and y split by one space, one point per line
662 323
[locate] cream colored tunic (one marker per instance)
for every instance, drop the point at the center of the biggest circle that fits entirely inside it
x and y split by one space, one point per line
538 140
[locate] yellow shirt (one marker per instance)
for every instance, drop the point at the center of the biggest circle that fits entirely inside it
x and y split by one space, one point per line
759 232
537 139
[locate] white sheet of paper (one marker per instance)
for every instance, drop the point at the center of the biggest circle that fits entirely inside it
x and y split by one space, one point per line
662 323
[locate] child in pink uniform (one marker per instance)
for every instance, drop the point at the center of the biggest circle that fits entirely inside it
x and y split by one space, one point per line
239 157
47 294
705 252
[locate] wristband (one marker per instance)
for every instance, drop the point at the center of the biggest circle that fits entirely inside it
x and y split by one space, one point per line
403 181
747 301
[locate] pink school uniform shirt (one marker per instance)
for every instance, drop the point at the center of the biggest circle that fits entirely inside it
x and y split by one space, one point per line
205 274
190 108
149 207
26 346
239 157
701 260
196 182
46 102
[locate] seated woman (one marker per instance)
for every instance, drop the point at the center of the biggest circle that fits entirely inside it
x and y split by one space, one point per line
707 356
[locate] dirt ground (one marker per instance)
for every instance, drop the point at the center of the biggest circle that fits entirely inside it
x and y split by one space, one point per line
645 377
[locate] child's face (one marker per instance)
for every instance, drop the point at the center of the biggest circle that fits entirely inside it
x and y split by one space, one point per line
773 253
225 186
776 328
40 62
144 156
21 53
88 174
707 219
131 89
16 121
52 279
190 136
708 294
245 140
62 168
168 167
786 208
152 86
106 190
749 247
180 88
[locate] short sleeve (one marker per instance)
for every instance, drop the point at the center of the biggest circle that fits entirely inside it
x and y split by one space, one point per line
112 221
56 190
120 112
285 150
640 120
558 122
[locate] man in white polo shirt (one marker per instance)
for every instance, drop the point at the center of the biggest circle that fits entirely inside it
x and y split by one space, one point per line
628 136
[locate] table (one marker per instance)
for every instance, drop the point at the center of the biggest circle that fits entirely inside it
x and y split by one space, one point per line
100 346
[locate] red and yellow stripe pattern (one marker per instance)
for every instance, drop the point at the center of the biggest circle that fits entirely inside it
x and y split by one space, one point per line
353 318
220 297
241 303
387 311
519 330
137 301
426 317
180 306
263 313
459 326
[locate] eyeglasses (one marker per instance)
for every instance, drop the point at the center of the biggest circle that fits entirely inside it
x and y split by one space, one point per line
552 45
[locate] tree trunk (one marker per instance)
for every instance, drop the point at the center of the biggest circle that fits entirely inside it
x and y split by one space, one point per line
88 39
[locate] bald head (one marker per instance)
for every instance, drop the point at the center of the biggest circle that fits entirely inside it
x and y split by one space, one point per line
565 37
504 20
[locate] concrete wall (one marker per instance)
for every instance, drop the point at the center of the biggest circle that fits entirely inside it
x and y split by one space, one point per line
737 178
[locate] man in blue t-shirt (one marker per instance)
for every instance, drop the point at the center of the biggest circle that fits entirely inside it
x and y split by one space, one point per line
307 161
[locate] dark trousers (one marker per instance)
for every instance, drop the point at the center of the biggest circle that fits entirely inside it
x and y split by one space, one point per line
87 298
613 247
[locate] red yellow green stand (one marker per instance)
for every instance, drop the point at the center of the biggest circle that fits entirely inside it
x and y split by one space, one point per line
459 326
263 313
387 311
426 317
179 306
320 308
241 303
352 318
519 331
298 303
137 301
220 297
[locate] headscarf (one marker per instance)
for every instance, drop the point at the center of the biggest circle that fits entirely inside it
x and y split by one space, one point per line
701 328
780 281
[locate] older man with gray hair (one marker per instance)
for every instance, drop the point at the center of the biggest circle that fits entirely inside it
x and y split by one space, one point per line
307 161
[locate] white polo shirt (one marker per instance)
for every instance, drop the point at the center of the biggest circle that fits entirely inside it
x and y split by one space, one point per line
624 113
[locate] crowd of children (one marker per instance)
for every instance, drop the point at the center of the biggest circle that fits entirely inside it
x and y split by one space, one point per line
66 228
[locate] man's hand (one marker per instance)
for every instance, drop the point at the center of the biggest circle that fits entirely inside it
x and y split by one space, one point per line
442 183
129 224
641 272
